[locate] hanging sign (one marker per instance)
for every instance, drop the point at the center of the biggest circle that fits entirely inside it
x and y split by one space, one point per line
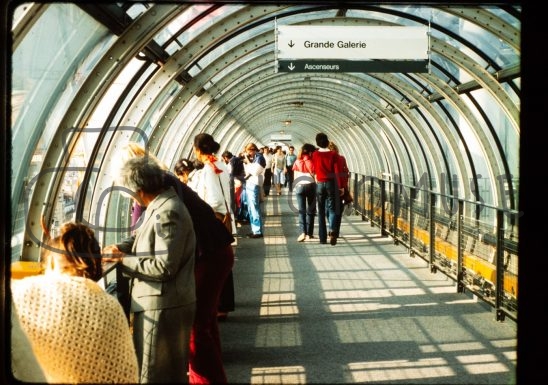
331 65
352 42
280 138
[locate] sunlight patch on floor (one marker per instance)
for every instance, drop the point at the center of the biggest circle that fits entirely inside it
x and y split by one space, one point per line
279 375
399 370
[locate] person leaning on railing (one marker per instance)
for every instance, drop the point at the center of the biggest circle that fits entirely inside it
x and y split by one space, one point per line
159 258
79 333
214 257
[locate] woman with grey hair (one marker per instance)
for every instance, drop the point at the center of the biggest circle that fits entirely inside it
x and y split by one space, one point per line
160 260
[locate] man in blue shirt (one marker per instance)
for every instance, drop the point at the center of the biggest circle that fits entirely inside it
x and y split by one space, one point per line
290 158
254 165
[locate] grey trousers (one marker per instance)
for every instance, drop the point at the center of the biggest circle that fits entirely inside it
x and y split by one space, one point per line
162 340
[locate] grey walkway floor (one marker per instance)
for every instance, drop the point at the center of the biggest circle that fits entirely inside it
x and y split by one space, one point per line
362 311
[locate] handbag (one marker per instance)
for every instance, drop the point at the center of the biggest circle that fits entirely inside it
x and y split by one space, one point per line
347 197
226 219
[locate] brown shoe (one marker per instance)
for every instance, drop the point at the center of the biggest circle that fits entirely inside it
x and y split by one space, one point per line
332 239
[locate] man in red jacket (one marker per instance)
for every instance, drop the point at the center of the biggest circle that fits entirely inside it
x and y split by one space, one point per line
326 167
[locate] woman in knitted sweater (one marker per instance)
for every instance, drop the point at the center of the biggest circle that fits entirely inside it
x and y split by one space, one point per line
78 332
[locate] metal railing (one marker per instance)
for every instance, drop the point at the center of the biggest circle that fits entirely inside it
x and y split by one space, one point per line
473 243
117 285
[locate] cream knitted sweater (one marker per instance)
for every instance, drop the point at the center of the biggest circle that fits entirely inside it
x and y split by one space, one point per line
79 333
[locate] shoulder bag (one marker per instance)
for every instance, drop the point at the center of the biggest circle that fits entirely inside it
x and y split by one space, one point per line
226 219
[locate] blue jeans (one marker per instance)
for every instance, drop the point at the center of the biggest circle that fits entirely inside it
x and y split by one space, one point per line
254 208
326 207
306 202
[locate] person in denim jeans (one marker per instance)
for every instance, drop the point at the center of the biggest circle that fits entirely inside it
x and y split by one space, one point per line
326 167
290 159
343 178
278 169
254 165
305 189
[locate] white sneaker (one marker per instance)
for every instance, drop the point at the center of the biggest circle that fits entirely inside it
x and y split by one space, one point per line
309 237
301 237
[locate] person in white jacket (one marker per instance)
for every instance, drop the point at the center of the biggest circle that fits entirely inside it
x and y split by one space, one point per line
212 182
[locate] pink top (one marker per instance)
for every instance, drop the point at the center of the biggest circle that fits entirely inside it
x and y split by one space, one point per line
304 170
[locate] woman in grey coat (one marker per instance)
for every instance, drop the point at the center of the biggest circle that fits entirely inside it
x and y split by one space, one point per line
160 260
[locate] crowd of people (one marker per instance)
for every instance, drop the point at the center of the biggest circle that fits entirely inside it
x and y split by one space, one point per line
177 262
318 176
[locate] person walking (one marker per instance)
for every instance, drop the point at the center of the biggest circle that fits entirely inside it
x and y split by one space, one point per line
326 167
160 260
267 184
278 169
342 177
305 189
236 172
254 165
290 159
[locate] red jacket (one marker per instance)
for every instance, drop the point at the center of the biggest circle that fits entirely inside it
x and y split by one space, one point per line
327 166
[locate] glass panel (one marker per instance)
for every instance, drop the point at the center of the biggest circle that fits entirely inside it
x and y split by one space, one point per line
110 98
187 34
448 166
470 143
19 13
265 27
180 23
242 60
449 66
387 18
158 106
507 17
513 95
174 137
233 44
305 15
505 132
136 10
136 86
490 44
49 67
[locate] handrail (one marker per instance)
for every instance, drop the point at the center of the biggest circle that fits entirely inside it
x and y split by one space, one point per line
477 256
117 285
492 279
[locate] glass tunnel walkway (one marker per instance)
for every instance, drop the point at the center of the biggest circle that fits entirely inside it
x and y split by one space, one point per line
362 311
